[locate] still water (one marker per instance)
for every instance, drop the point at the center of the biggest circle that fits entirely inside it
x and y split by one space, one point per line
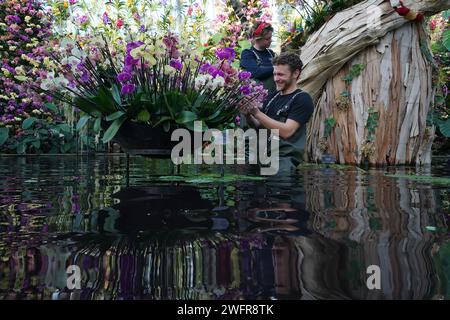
152 235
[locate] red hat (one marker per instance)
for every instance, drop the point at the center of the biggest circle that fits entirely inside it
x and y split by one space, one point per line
260 29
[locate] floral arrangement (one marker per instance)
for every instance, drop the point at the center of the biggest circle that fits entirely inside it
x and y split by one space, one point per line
27 121
159 80
232 25
439 27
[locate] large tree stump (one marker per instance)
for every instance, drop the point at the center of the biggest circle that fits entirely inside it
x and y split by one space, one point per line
396 84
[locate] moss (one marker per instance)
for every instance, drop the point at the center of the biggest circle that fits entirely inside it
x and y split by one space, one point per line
427 179
305 166
210 178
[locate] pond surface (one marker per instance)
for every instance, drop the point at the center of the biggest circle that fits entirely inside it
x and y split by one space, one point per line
197 236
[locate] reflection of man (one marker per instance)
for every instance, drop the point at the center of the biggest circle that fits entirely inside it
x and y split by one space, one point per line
288 110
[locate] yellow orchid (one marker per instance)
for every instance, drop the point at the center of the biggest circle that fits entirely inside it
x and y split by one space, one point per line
6 72
137 53
21 78
150 59
169 70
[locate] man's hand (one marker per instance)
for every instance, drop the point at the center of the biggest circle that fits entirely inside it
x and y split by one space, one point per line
249 106
286 129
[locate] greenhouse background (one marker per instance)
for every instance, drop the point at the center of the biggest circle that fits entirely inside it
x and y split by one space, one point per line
87 213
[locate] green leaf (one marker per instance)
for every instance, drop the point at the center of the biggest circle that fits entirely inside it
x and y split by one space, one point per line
65 147
113 128
143 116
4 135
116 94
21 147
166 126
185 116
175 102
86 105
97 124
36 144
331 121
190 126
446 14
347 78
64 127
105 101
444 127
356 69
439 100
244 44
217 37
115 115
51 107
164 118
198 102
28 122
446 39
214 115
82 122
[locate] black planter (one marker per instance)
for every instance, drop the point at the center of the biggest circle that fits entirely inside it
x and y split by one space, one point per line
140 136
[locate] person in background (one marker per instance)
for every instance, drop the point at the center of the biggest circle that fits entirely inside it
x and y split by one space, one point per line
258 59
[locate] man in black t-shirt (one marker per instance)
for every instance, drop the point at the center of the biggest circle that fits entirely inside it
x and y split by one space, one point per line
288 110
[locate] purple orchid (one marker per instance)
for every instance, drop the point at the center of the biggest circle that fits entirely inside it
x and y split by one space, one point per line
127 89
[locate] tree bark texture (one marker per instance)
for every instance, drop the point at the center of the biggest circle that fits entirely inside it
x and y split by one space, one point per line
395 87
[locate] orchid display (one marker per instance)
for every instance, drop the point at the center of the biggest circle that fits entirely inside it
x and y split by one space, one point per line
160 81
28 122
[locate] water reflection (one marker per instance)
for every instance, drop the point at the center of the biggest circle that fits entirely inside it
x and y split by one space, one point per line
311 236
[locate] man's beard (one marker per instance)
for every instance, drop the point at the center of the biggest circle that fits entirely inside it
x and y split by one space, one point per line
284 85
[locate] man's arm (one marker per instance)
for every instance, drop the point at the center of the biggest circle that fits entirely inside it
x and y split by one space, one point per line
286 130
251 120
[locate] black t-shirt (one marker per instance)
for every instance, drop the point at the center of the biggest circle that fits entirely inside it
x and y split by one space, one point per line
300 109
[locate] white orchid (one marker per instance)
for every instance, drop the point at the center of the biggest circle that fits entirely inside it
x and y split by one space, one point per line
76 52
67 44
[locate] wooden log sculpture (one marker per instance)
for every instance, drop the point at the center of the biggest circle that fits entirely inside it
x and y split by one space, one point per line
393 93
